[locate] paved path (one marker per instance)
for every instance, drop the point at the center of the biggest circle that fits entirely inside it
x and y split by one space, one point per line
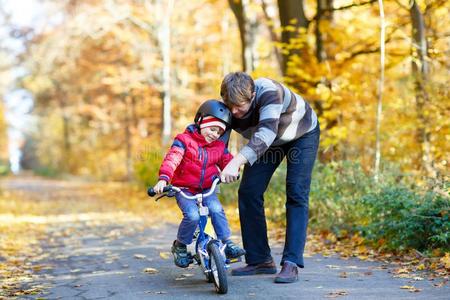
106 260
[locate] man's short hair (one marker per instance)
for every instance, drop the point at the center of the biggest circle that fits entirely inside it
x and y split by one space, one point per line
237 88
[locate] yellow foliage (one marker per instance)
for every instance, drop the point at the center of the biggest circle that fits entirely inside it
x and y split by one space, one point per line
446 260
290 28
3 136
107 76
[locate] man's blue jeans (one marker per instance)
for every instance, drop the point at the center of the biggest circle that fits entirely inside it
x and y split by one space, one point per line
300 155
191 217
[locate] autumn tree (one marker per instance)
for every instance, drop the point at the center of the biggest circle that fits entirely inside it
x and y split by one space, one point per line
3 139
99 81
96 73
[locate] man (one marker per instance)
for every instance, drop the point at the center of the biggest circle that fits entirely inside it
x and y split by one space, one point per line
278 124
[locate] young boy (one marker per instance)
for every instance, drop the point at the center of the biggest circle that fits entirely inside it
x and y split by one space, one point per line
195 158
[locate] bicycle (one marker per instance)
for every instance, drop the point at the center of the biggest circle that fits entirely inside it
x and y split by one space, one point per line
210 252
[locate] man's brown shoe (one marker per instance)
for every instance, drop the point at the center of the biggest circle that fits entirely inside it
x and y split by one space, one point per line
288 273
263 268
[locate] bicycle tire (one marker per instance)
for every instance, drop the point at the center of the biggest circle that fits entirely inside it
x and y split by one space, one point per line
209 278
217 267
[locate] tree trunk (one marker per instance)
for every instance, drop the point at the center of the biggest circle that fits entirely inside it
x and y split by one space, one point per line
164 38
66 147
323 12
380 93
246 33
273 36
419 51
127 133
291 13
226 59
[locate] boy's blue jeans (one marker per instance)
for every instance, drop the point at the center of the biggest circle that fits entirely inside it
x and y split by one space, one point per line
300 155
191 217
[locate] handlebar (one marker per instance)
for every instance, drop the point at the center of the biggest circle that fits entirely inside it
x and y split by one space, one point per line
171 188
152 193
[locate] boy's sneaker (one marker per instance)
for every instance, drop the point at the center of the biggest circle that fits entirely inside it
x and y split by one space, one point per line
180 255
232 250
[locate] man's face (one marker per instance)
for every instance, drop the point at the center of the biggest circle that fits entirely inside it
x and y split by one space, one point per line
238 111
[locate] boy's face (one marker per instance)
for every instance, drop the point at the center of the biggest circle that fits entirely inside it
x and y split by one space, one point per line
211 133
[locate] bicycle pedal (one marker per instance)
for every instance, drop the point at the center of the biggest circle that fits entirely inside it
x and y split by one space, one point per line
234 260
193 258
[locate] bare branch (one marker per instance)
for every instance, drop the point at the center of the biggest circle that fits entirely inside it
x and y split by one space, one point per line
330 9
350 5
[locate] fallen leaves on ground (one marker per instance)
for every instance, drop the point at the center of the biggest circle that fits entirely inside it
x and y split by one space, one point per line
333 267
440 284
410 288
412 264
150 270
445 260
37 212
336 294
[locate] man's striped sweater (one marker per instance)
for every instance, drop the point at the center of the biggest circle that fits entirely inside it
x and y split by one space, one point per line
276 116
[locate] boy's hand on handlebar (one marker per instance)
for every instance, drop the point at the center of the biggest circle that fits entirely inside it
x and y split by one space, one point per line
158 188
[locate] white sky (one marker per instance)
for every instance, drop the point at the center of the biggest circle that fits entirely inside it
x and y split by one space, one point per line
24 13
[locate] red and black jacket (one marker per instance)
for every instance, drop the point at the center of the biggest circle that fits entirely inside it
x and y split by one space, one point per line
192 162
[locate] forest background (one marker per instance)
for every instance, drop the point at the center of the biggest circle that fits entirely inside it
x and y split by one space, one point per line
113 81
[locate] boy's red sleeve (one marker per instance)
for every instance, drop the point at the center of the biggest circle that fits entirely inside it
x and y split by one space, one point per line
226 158
172 160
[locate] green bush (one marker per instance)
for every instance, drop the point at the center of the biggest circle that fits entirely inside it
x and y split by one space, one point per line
47 171
274 198
147 167
335 190
345 199
4 170
406 219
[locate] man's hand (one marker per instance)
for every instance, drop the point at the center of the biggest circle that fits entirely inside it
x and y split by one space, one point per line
231 172
158 188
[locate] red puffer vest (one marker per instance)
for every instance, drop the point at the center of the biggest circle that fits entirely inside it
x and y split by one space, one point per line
192 162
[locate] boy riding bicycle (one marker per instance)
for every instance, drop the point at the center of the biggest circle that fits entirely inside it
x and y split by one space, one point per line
194 159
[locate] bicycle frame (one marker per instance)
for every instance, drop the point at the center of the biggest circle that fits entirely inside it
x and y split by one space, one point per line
204 212
210 252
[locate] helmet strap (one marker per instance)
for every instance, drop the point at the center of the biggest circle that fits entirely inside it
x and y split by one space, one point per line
199 121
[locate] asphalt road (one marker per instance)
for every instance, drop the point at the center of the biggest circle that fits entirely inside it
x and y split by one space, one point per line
131 260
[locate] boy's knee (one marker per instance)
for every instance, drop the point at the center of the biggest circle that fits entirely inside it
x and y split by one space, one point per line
215 208
192 216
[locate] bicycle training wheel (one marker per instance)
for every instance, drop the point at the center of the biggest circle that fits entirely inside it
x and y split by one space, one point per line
217 267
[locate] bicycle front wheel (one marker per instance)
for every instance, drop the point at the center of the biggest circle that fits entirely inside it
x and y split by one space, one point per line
217 267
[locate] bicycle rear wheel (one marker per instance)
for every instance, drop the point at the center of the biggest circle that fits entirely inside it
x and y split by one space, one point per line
217 267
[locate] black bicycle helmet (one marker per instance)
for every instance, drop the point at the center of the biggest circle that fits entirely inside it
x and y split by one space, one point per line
213 108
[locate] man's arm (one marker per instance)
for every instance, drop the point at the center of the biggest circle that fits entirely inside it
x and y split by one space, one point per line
231 172
267 128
